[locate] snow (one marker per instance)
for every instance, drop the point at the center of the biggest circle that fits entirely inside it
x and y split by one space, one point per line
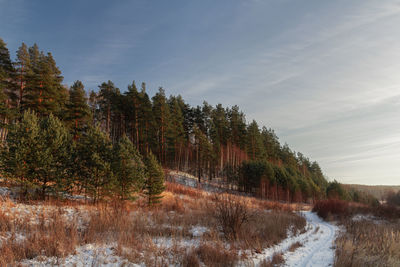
87 255
5 192
198 231
317 245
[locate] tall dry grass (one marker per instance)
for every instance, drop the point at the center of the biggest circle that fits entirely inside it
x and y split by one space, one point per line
138 232
367 243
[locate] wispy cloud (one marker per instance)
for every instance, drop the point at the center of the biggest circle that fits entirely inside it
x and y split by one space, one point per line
323 74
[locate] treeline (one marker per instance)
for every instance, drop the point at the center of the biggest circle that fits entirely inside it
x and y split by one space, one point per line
206 141
42 156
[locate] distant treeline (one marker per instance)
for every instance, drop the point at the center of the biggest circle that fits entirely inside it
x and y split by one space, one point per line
206 141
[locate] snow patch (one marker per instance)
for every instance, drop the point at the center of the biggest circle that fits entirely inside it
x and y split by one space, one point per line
87 255
317 245
198 231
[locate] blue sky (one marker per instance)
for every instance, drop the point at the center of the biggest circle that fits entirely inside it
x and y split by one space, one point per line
323 74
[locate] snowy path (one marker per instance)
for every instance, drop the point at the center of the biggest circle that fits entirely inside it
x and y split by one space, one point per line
317 245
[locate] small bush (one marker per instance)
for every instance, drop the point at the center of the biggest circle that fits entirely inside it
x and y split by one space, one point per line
216 255
335 207
190 259
231 213
295 246
276 260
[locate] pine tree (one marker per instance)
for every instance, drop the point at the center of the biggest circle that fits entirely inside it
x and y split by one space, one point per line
154 184
128 169
22 144
219 133
132 109
52 157
175 134
162 118
146 121
43 92
93 102
78 111
254 142
92 160
23 71
106 97
7 92
203 152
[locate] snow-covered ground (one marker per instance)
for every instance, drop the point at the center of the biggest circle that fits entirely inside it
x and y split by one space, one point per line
87 255
317 245
317 242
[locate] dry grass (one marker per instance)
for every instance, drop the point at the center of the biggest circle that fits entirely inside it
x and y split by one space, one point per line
295 246
155 237
276 260
339 209
51 236
366 243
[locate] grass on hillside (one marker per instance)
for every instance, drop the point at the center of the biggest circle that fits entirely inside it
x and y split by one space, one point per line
156 236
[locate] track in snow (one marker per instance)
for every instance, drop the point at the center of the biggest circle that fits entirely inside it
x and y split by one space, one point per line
317 245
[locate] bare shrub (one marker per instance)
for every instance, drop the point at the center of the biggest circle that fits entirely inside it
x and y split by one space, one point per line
190 259
276 260
216 255
325 208
295 246
231 213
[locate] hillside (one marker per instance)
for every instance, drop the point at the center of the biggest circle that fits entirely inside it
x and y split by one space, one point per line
206 141
378 191
190 227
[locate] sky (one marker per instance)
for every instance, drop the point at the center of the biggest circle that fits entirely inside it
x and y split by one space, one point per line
325 75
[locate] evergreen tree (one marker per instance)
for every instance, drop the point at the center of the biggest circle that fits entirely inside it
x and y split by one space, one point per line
106 96
128 169
78 111
51 160
93 102
132 110
92 163
154 184
175 134
43 92
23 71
18 155
6 88
254 143
162 117
146 121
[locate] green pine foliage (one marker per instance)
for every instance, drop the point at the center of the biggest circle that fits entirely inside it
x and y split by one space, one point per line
128 169
37 154
52 156
42 89
18 154
78 114
93 157
154 185
6 88
206 141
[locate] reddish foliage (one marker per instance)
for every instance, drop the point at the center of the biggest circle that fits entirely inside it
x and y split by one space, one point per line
337 207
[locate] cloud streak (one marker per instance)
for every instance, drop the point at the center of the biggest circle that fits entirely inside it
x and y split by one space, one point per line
323 74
